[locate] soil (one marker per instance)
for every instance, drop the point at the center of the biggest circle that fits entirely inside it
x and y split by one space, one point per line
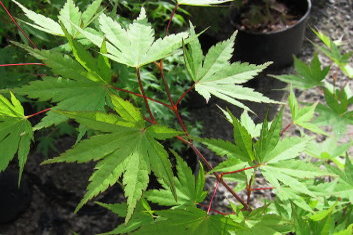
56 189
257 16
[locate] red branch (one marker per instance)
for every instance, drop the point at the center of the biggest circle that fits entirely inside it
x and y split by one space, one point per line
213 195
248 189
17 25
182 124
22 64
184 94
256 189
142 90
171 18
218 176
237 171
286 128
35 114
218 212
139 95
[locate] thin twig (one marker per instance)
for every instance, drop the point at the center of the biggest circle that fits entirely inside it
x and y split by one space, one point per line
21 64
256 189
18 26
171 19
248 190
138 74
218 212
35 114
165 82
213 195
237 171
185 93
172 104
218 176
139 95
286 128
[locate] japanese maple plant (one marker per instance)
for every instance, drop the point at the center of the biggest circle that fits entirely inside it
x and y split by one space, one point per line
312 182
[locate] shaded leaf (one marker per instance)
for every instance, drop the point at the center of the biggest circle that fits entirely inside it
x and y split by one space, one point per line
15 133
189 188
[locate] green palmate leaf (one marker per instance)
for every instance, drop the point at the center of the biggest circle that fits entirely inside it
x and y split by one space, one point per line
332 50
287 148
307 75
214 75
69 15
344 187
288 197
96 69
201 2
71 95
193 56
189 188
138 35
15 133
61 64
347 231
126 110
190 220
128 149
321 222
83 87
140 217
41 22
243 140
337 111
253 129
269 137
303 116
323 214
265 224
104 66
291 173
329 149
90 13
222 148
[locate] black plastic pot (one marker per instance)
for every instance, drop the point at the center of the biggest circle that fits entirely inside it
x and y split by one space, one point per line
13 199
277 46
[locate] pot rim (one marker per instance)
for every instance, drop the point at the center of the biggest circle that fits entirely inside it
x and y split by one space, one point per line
303 18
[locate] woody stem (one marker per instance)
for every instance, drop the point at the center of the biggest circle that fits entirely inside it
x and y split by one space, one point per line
138 74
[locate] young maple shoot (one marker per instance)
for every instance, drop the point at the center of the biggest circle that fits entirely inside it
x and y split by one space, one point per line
127 146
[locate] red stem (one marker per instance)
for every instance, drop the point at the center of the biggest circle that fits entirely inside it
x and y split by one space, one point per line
255 189
218 176
35 114
139 95
184 94
166 86
248 189
213 195
182 124
171 18
17 25
7 65
174 106
286 128
138 74
237 171
218 212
